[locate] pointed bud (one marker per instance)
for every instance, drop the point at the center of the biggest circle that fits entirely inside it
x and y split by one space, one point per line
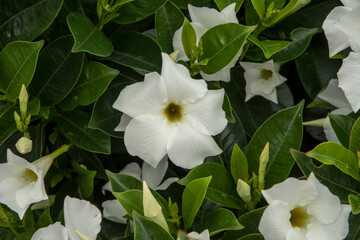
358 157
82 236
27 120
152 208
24 145
174 55
264 158
315 123
243 189
23 99
19 123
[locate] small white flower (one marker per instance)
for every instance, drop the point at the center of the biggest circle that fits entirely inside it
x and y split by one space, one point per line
303 209
24 145
171 114
205 235
262 79
82 221
342 27
203 19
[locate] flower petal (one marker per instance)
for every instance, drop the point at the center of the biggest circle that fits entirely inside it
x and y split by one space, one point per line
207 115
154 176
230 14
340 228
146 137
54 231
327 207
147 97
180 86
337 40
81 216
205 235
329 131
295 234
275 221
114 212
124 121
334 95
167 183
349 79
316 231
351 3
132 169
187 148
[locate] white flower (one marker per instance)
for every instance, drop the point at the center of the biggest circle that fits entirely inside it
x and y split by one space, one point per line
262 79
24 145
303 209
171 114
205 235
113 210
342 27
203 19
82 221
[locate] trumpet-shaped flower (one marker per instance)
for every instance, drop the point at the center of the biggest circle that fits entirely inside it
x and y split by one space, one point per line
303 209
171 114
205 235
82 221
203 19
342 27
262 79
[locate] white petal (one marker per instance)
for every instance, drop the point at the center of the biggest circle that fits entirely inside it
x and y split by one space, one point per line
230 14
181 87
154 176
205 235
113 211
315 231
207 115
349 79
124 121
334 95
167 183
329 131
275 221
295 234
24 198
80 215
187 148
327 207
351 3
208 17
147 97
337 40
146 137
340 228
292 191
54 231
106 187
177 44
132 169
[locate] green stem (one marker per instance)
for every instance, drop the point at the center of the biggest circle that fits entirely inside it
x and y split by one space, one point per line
64 148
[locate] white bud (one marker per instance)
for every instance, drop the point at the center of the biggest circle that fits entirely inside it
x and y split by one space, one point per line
243 189
24 145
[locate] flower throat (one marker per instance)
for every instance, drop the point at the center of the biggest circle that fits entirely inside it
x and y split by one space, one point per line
173 112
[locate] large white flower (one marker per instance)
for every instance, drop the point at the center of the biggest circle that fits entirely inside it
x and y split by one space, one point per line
82 221
262 79
205 235
203 19
171 114
303 209
342 27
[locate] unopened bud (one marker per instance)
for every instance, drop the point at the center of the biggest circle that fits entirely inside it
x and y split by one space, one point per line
358 157
23 99
243 189
264 158
82 236
174 55
24 145
27 120
19 123
315 123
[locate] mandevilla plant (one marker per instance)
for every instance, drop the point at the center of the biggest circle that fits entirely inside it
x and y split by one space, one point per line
179 120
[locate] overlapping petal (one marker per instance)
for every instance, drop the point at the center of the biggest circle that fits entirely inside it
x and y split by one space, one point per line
54 231
340 228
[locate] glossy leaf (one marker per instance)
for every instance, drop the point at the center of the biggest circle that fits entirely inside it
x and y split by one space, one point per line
17 67
74 126
145 229
239 164
131 200
259 6
192 198
136 50
342 126
221 190
290 8
253 236
224 3
283 131
87 37
85 179
221 44
354 142
331 153
269 47
29 23
188 39
355 203
354 227
183 4
57 72
93 81
168 19
7 122
138 10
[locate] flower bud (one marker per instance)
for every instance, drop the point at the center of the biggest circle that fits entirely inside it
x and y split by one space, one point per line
243 189
24 145
315 123
82 236
174 55
23 99
264 158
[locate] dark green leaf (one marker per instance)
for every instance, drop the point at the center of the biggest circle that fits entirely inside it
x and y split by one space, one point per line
269 47
7 122
183 4
145 229
224 3
355 203
354 227
131 200
85 179
253 236
188 39
44 219
354 143
342 126
239 164
259 6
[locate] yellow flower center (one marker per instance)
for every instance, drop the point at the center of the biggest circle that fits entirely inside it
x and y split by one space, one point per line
30 175
266 74
173 112
299 217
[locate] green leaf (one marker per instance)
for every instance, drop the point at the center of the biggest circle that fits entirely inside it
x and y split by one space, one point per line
103 107
17 66
221 190
183 4
87 37
269 47
342 126
131 200
6 234
354 142
253 236
354 227
220 220
93 81
331 153
145 229
136 50
355 203
7 122
259 6
138 10
228 109
338 182
192 198
57 72
289 9
29 23
85 179
74 126
44 219
221 44
224 3
188 39
283 131
239 165
168 19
